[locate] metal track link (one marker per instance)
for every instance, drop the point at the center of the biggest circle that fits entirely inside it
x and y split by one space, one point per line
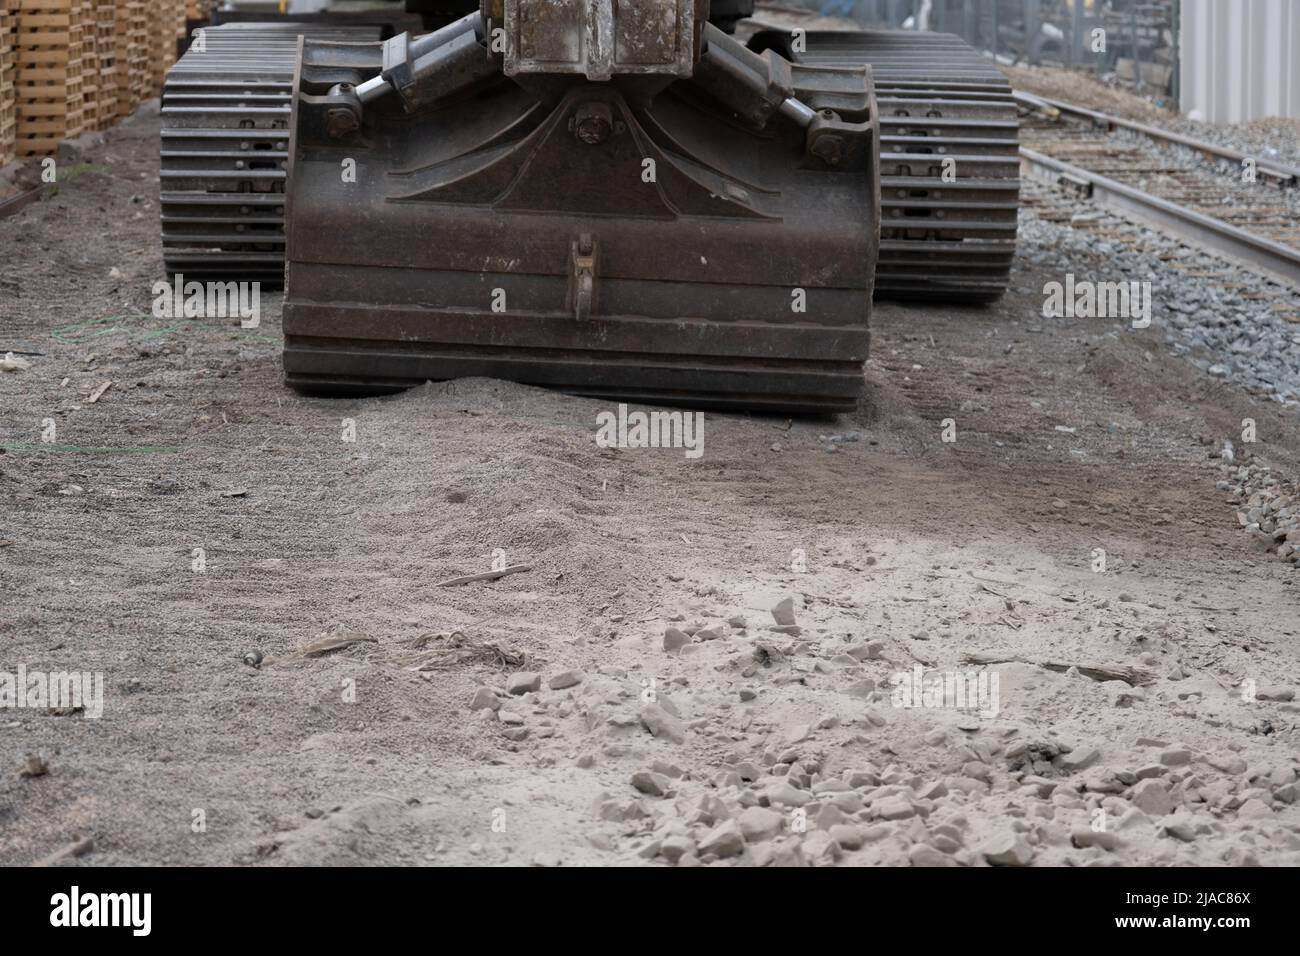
939 100
224 149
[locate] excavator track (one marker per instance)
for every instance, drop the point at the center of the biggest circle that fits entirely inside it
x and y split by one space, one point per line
224 148
225 135
225 132
491 238
951 237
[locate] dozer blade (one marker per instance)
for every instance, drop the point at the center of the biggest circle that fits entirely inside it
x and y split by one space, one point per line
949 159
604 239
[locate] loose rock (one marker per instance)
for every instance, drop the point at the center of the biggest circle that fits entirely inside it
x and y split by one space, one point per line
922 854
660 723
760 823
485 699
1086 837
724 840
566 679
651 783
1008 849
1152 797
675 640
783 613
523 682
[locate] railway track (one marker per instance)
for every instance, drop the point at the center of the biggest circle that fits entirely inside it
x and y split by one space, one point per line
1192 189
225 129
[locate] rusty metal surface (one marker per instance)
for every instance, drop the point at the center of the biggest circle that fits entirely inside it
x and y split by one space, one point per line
938 100
680 290
221 219
602 38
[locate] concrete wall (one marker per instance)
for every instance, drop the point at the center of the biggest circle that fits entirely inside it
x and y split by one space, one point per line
1240 59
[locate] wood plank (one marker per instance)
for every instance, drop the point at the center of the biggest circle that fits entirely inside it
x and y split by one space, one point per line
30 20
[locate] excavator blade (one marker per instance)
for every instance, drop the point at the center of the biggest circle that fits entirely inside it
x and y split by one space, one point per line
634 240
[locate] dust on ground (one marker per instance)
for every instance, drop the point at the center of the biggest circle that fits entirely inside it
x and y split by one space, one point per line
755 741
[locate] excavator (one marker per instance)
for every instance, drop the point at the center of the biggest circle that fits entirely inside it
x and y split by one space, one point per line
613 199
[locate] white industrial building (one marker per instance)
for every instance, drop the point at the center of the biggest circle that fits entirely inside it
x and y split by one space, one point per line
1239 59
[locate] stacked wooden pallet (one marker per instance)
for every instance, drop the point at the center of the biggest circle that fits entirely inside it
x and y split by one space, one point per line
122 56
8 79
50 79
140 67
104 15
166 25
67 66
131 54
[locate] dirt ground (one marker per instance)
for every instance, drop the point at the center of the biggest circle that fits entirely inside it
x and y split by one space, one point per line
917 552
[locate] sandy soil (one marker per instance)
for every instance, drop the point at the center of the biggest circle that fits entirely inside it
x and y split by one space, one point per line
917 552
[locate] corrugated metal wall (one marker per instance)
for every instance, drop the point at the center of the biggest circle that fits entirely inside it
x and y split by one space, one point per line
1240 59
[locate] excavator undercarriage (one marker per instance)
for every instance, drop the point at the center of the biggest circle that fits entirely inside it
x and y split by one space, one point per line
609 199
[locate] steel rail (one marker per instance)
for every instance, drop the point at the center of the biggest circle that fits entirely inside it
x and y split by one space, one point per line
1256 251
1277 173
